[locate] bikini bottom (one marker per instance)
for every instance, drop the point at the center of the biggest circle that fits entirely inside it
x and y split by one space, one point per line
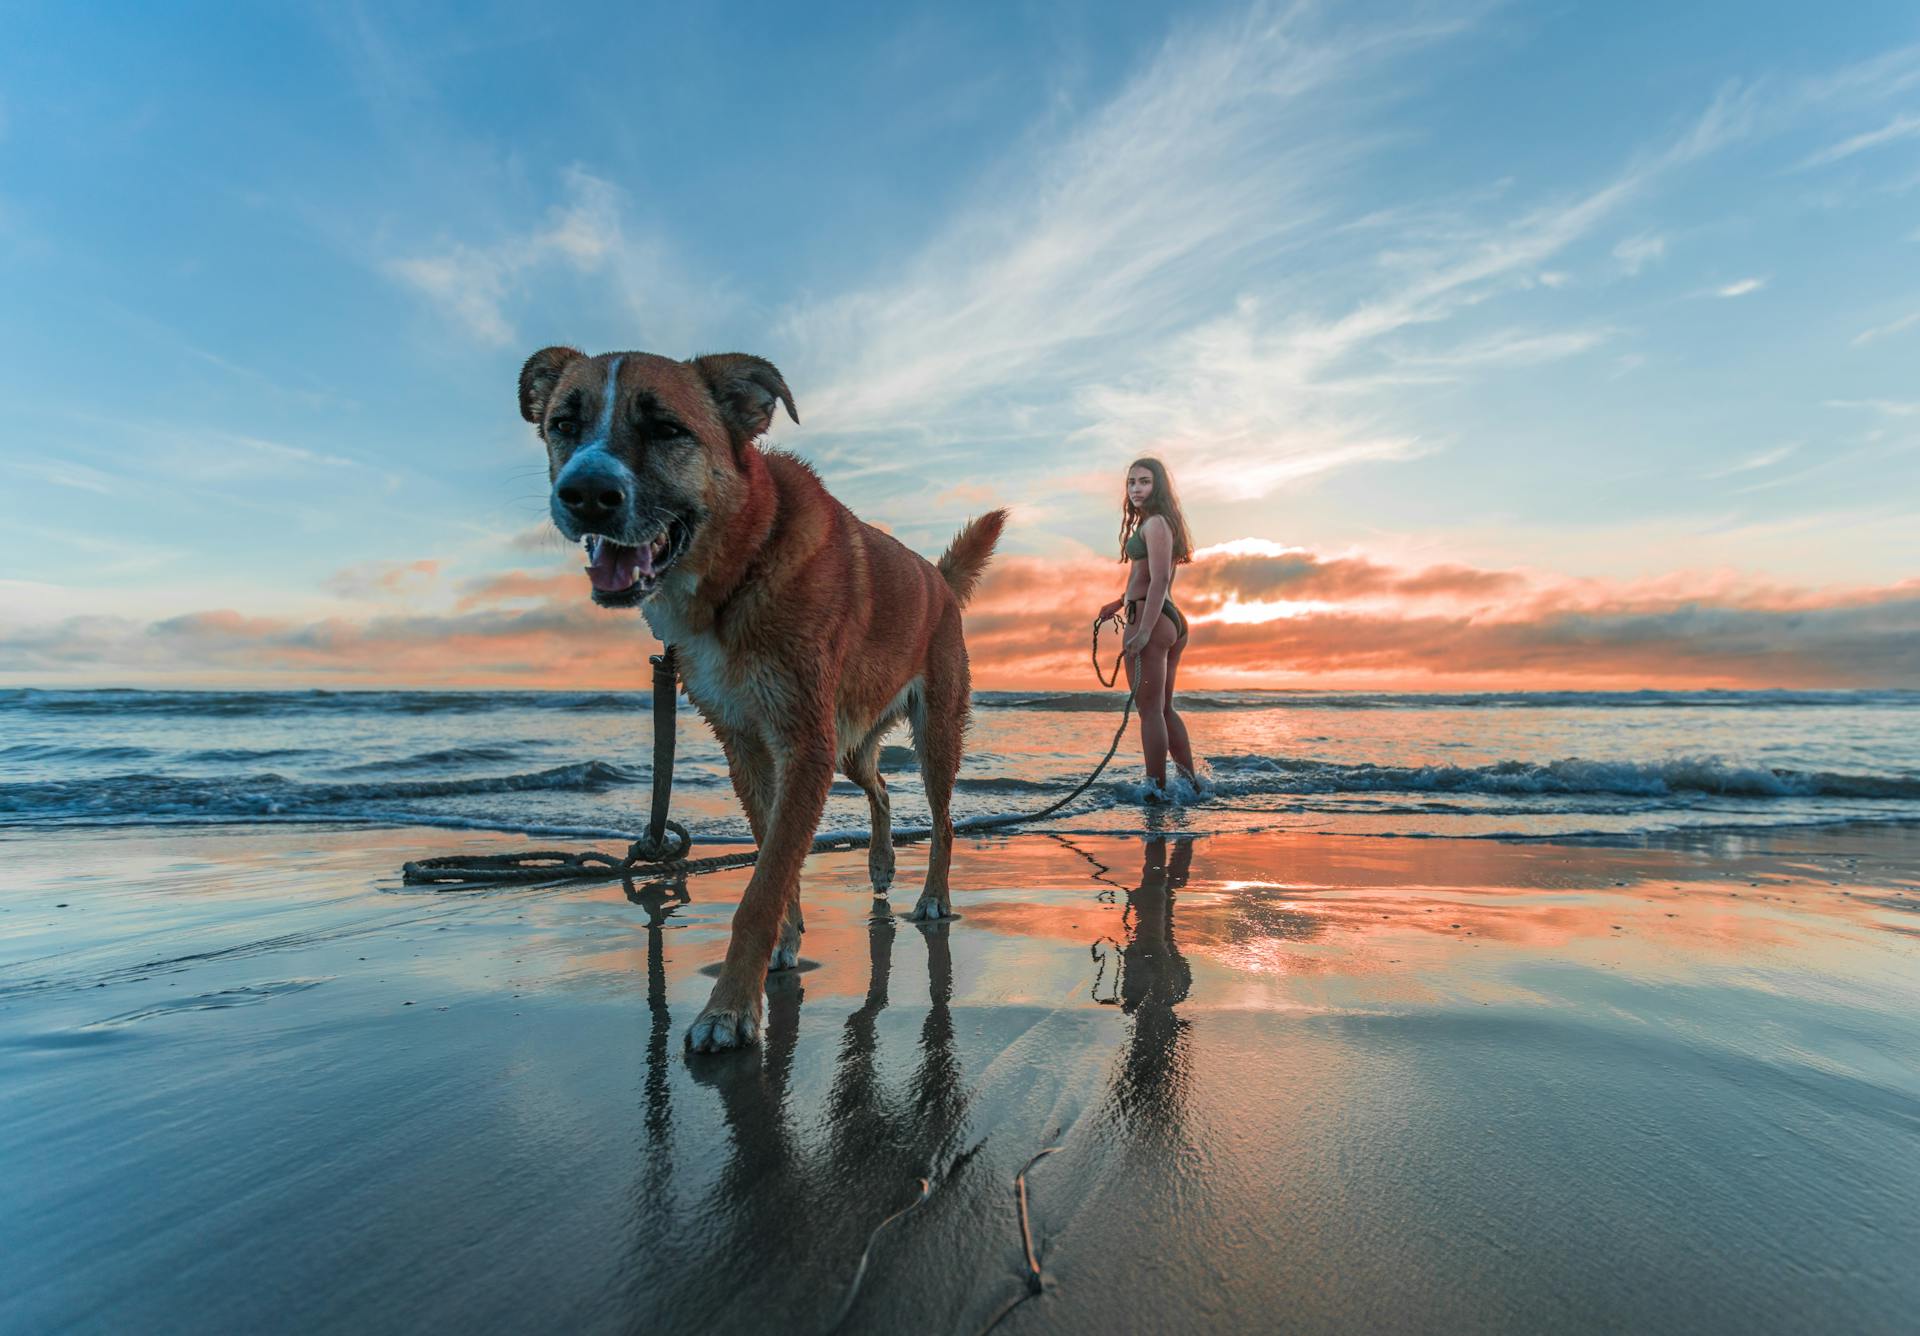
1167 610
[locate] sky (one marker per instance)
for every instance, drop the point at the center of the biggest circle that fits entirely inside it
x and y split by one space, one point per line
1524 346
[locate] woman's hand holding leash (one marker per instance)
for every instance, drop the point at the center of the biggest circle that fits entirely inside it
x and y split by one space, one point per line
1111 613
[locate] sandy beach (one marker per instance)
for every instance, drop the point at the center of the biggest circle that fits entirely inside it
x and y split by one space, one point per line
1294 1081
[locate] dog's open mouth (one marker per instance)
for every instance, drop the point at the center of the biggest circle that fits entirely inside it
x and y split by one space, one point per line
626 574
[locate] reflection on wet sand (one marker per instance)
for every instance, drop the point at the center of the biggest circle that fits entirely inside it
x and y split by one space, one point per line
1335 1084
1150 1079
659 899
797 1172
1249 1018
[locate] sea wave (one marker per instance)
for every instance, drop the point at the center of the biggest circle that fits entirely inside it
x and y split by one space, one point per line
142 796
232 704
52 751
1662 779
229 704
445 758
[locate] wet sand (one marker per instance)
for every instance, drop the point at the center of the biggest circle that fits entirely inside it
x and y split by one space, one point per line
1296 1082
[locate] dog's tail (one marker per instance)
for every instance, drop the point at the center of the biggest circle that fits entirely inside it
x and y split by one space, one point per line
967 555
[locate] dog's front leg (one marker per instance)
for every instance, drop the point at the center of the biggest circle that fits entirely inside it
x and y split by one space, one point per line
732 1014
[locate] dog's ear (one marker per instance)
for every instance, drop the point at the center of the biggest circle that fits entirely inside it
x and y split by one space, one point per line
538 377
746 388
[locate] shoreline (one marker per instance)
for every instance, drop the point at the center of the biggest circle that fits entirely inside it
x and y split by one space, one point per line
826 840
1364 1083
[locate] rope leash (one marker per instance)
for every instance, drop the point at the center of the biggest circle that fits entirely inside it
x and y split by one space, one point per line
662 851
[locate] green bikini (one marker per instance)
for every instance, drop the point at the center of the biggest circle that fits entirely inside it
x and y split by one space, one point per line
1136 550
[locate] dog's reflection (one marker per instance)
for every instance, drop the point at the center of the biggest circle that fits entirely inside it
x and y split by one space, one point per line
832 1173
1150 1080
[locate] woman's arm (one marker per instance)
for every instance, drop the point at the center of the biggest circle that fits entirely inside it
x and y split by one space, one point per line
1159 537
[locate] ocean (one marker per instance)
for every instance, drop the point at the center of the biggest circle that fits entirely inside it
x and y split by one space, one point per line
578 764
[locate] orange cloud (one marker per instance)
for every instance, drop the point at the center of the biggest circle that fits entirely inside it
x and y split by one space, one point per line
515 585
1357 622
1346 621
375 579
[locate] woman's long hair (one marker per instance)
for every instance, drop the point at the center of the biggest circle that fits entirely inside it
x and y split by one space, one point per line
1163 502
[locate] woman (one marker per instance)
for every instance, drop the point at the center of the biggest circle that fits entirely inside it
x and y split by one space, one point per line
1153 538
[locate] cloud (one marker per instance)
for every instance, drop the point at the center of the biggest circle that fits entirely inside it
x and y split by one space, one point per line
384 579
1511 348
473 284
1867 336
1762 460
1352 621
1140 283
1263 615
1740 287
586 234
63 473
554 644
517 586
1636 253
1901 127
1871 80
1884 407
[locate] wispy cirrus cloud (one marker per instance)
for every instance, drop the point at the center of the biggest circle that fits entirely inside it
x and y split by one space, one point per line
588 234
1740 287
1765 459
474 284
1866 336
1899 408
1636 253
1145 298
1899 128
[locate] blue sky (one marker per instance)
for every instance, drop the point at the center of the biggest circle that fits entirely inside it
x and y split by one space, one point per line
1620 295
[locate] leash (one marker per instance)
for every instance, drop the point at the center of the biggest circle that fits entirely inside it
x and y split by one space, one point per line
1120 624
666 858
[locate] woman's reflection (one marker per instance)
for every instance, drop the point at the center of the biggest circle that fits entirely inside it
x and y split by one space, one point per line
1151 1079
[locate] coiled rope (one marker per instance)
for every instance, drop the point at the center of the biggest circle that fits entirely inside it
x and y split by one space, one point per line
662 851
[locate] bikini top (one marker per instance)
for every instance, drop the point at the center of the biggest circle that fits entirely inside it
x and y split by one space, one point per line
1136 548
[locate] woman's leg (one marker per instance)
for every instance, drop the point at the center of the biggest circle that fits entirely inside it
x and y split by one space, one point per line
1176 727
1149 697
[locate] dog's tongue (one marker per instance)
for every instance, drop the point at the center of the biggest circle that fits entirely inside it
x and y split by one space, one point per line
616 566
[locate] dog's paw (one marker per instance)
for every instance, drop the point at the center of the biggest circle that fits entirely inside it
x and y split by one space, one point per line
716 1030
880 869
929 909
786 949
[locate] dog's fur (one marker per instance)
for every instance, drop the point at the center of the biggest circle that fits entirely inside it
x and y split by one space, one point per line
804 635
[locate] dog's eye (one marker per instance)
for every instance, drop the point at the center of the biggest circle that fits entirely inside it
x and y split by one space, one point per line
560 427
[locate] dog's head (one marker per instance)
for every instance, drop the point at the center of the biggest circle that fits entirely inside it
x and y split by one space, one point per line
645 453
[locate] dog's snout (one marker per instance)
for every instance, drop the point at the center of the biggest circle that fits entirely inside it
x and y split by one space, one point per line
589 498
593 494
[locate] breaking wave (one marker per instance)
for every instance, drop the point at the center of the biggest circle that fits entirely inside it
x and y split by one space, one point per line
1651 779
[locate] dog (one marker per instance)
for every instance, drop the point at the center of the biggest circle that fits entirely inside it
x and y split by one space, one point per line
803 634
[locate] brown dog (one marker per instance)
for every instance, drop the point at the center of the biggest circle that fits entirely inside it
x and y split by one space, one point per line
804 635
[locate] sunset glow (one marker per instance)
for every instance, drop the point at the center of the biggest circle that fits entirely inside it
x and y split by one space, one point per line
1614 393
